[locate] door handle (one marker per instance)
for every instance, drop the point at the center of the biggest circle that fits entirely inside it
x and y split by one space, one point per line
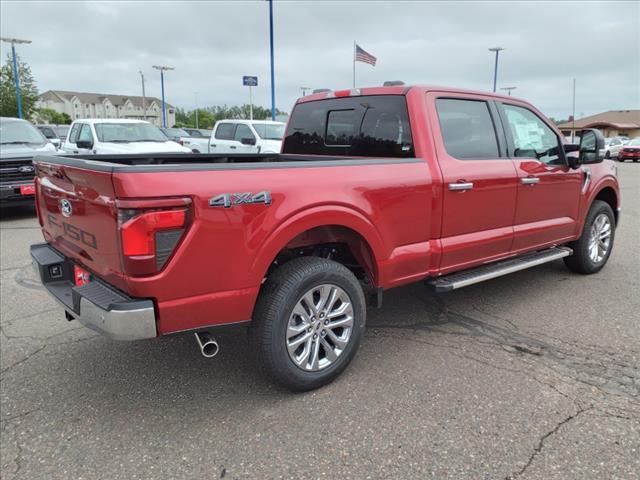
75 151
213 144
459 187
529 181
233 146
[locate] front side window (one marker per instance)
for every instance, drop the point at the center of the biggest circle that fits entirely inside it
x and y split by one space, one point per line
85 134
225 131
467 129
368 126
243 131
48 132
532 138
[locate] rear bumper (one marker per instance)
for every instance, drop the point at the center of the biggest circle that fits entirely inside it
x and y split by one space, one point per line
96 305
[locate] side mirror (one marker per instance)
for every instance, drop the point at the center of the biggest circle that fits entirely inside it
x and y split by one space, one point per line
591 146
88 144
248 141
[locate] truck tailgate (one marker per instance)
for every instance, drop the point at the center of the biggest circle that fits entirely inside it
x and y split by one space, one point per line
78 217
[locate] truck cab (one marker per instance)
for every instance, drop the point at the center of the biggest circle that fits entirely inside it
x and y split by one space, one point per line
240 136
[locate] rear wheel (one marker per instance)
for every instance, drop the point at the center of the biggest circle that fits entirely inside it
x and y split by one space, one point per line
591 251
308 322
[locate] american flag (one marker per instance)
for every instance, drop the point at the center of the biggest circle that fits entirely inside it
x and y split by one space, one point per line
362 56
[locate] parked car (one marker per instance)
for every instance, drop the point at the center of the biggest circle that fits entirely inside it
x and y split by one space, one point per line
117 136
630 151
62 131
294 245
49 132
175 134
240 136
19 142
198 132
612 147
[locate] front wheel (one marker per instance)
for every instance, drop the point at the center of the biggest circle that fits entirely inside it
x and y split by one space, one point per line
308 322
592 250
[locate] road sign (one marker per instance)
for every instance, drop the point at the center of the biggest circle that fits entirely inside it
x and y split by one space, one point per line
249 81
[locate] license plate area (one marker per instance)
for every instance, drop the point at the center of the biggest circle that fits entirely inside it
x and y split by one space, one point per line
28 189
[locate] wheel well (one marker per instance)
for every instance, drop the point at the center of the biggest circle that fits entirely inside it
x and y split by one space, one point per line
608 195
338 243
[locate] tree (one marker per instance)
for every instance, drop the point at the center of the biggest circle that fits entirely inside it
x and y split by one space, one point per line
28 89
49 115
207 117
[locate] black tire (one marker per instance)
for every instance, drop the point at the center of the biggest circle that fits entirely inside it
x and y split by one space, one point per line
580 261
278 297
607 155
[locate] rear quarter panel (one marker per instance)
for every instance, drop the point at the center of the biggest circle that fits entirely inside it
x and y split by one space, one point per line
216 272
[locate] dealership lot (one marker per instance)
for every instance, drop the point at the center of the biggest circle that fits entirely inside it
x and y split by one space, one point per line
533 375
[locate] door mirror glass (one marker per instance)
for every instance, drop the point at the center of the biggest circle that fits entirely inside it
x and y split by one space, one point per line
591 146
88 144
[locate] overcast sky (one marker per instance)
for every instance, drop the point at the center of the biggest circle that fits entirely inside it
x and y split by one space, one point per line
100 47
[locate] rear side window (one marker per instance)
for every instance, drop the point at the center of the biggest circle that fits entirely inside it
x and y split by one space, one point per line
73 137
225 131
372 126
467 129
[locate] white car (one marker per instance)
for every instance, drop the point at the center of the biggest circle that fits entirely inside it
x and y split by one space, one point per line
612 146
240 136
118 136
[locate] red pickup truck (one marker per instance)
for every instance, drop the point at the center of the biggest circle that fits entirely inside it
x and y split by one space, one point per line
374 188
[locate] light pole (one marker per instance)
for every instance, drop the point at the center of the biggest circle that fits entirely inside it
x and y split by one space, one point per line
16 77
195 94
495 69
162 69
273 76
144 99
304 90
508 89
573 113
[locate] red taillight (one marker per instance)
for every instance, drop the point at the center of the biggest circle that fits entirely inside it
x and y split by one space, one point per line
148 236
139 233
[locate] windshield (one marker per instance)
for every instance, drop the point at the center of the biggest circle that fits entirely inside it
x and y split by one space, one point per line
175 132
269 131
128 132
48 132
634 143
62 131
20 133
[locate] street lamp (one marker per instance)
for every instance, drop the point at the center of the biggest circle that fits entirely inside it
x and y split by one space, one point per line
304 90
195 94
144 99
162 69
16 78
508 89
495 70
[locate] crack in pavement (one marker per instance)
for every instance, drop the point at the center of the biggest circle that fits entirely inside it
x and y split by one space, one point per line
540 445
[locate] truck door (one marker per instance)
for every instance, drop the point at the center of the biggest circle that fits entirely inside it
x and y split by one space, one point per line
69 146
243 138
548 190
479 181
222 138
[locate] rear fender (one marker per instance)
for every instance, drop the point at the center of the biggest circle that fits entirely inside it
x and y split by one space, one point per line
301 222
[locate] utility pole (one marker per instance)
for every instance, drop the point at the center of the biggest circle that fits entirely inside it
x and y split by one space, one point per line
304 90
144 99
273 76
196 96
508 89
573 114
162 69
16 77
495 68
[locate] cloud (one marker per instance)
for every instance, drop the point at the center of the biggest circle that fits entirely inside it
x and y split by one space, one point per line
100 47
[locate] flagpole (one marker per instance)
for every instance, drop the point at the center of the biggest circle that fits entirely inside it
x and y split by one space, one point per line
354 64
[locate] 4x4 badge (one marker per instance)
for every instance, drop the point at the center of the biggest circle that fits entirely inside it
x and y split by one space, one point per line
227 200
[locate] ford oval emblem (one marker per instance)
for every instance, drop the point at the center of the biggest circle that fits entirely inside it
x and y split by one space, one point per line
65 207
26 169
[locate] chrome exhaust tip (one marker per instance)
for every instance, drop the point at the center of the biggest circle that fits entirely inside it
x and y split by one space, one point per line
208 345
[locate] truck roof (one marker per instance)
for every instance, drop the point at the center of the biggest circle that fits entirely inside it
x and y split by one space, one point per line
109 120
245 120
395 90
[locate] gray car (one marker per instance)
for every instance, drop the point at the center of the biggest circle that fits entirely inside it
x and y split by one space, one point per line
20 141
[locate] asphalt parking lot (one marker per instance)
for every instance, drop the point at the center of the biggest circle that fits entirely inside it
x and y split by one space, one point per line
535 376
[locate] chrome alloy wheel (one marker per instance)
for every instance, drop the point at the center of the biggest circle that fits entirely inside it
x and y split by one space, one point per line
599 238
319 327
